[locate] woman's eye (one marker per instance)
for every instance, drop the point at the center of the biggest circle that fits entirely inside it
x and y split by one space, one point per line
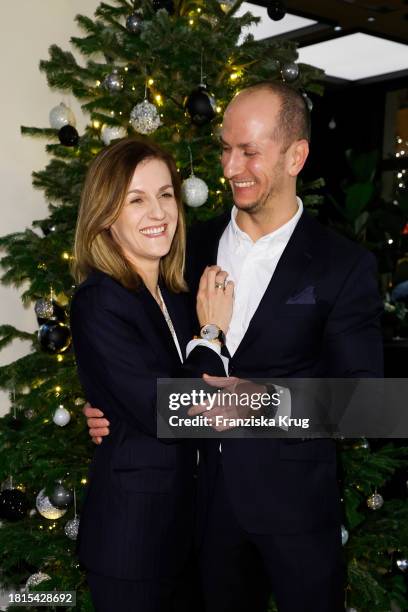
167 195
136 201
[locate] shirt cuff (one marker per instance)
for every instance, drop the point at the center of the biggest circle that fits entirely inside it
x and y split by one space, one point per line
211 345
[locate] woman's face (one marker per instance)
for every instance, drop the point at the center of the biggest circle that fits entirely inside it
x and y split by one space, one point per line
146 225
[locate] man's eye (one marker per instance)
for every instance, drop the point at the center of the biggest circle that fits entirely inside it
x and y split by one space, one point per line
250 153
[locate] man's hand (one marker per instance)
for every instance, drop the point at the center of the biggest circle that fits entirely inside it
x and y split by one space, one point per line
231 409
98 425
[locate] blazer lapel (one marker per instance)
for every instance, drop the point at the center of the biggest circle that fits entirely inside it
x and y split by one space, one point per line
294 260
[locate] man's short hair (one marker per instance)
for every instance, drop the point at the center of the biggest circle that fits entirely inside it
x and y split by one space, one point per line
293 116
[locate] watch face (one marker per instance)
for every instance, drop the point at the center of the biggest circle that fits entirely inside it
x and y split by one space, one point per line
209 332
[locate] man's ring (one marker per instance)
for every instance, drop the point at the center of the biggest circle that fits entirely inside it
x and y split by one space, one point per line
219 285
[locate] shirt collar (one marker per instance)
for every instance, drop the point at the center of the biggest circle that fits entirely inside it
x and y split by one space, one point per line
283 231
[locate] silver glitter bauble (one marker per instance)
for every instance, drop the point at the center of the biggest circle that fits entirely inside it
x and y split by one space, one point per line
402 564
29 414
194 191
61 115
290 72
61 497
46 509
344 535
36 579
134 22
44 308
114 81
145 118
61 416
71 528
112 132
375 501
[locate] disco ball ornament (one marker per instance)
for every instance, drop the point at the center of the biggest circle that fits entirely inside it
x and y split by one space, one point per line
114 81
145 118
194 191
134 22
68 136
112 132
61 115
290 72
375 501
54 337
61 497
200 106
168 5
344 535
13 504
61 416
71 528
402 564
49 310
36 579
276 10
46 509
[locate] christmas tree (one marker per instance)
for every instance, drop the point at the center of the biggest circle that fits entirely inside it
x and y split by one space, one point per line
164 70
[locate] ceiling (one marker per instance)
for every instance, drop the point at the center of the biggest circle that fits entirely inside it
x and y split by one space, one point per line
387 18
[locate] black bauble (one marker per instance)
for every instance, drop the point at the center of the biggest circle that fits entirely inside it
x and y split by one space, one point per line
164 4
276 10
54 337
13 504
61 497
68 136
200 106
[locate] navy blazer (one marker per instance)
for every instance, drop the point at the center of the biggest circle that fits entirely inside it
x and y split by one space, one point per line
137 516
319 317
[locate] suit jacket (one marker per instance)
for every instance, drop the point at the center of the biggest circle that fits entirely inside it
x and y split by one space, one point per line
137 515
319 317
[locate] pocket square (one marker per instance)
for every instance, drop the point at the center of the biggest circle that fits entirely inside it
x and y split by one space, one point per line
306 296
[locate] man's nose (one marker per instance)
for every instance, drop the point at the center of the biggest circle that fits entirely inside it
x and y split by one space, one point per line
232 164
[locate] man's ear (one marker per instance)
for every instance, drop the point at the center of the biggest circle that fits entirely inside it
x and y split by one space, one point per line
298 153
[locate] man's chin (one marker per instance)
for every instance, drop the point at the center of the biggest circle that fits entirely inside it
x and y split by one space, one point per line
248 207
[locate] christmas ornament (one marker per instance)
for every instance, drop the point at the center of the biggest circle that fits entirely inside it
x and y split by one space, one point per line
134 22
54 337
402 564
13 504
114 81
46 509
194 191
112 132
164 4
79 401
375 501
71 528
61 115
145 118
61 416
29 414
344 535
290 72
200 105
276 10
226 5
61 497
36 579
49 310
68 136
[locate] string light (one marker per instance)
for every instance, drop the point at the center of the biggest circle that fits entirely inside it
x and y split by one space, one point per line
150 81
97 83
65 255
60 358
96 124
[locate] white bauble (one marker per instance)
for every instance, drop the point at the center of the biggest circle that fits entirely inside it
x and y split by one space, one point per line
46 509
61 416
112 132
194 191
61 115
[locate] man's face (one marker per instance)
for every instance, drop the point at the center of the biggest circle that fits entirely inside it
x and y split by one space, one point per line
252 160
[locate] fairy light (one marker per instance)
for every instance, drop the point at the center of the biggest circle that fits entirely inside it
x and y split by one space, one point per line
65 255
84 481
158 99
218 109
222 180
126 68
60 358
191 21
96 124
97 83
150 81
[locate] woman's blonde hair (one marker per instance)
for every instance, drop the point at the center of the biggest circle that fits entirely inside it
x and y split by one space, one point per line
103 197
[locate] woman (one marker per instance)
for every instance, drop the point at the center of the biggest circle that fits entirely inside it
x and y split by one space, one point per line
131 322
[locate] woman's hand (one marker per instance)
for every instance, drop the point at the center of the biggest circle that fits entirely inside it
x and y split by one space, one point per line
215 298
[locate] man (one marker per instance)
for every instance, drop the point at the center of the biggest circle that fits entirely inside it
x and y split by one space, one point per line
306 306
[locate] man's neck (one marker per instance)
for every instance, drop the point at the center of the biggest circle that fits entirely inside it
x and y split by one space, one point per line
266 220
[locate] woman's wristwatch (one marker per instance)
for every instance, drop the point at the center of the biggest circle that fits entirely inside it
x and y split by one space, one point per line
212 333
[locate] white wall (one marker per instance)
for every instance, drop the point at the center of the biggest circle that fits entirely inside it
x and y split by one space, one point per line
28 30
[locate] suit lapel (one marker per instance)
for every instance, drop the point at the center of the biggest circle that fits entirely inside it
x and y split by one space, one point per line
291 266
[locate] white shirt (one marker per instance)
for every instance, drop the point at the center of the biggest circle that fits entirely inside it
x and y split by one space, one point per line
251 266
